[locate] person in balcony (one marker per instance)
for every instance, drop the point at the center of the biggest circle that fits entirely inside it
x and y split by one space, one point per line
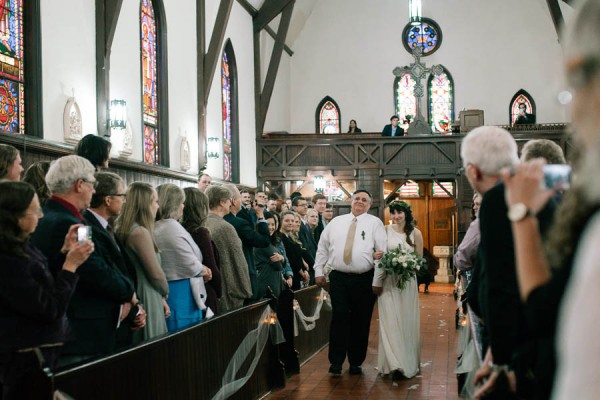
393 129
353 128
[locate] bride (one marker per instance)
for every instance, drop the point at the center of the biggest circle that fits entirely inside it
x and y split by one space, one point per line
399 337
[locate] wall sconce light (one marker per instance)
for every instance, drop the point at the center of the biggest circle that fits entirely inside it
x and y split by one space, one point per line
212 147
414 9
118 114
319 184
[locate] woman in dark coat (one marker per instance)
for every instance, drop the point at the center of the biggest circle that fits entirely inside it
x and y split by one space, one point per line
32 302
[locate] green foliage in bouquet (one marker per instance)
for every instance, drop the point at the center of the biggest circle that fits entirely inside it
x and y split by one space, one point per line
404 264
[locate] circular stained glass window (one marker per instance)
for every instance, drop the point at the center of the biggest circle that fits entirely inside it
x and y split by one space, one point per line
427 34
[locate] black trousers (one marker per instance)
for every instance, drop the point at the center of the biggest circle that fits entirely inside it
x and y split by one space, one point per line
352 302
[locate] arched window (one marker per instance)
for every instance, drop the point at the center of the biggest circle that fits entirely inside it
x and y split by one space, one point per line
440 89
328 116
18 17
405 99
522 97
230 114
153 58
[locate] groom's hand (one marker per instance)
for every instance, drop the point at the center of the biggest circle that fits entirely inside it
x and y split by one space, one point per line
320 280
377 290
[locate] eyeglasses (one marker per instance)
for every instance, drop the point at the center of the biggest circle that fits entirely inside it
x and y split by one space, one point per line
121 195
93 183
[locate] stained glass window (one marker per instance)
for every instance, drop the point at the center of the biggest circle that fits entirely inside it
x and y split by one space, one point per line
329 117
406 101
12 91
522 97
149 82
409 189
427 34
441 102
437 191
226 105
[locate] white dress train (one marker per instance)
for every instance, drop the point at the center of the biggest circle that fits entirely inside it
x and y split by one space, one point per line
399 319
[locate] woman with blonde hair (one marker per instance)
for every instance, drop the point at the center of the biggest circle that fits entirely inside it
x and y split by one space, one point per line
293 248
181 260
135 230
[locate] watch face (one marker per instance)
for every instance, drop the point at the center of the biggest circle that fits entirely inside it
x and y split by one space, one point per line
517 212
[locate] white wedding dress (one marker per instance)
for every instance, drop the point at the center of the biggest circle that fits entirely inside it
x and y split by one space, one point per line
399 319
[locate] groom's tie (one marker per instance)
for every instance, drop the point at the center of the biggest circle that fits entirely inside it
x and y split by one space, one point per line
349 242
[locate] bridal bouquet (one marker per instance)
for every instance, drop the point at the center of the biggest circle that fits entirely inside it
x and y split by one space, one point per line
402 263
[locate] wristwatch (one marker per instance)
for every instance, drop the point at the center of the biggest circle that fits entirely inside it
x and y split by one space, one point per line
518 212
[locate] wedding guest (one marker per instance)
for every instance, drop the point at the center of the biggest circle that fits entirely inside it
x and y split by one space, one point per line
95 149
270 263
235 282
399 320
36 177
32 302
293 249
464 258
204 181
195 212
10 163
135 230
353 128
181 260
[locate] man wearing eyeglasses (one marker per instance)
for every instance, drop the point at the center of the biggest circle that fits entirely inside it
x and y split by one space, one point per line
95 308
106 205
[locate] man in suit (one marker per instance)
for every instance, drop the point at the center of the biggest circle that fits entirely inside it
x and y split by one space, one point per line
393 129
327 214
485 152
105 206
300 206
319 203
249 236
96 306
523 117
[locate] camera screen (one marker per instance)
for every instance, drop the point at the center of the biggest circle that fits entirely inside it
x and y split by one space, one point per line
557 176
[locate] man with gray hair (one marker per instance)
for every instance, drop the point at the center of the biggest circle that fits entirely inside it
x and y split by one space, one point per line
103 292
486 151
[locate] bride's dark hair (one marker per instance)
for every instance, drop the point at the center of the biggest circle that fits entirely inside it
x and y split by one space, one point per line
409 226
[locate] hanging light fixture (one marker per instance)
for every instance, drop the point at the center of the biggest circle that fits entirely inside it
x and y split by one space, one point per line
319 184
414 10
118 114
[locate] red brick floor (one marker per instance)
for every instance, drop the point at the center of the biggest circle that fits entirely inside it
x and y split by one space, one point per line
438 358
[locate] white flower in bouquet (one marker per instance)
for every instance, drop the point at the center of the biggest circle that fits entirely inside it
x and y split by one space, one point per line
401 263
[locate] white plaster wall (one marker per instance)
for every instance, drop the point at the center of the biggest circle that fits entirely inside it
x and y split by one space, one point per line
239 31
279 112
68 63
125 75
348 49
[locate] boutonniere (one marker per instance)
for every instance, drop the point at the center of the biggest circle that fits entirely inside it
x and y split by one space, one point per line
363 235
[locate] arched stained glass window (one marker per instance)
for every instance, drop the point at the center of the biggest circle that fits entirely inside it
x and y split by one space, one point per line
149 83
229 114
427 34
406 101
328 116
12 88
522 100
441 102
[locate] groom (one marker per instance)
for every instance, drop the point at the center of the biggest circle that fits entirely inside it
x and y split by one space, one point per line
347 245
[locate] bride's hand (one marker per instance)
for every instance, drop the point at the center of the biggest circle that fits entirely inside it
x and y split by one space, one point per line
377 290
377 254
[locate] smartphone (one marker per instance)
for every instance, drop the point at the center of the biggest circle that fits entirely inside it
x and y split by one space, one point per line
84 233
557 176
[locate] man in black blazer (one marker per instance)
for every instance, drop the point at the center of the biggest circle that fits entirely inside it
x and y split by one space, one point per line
105 206
485 152
393 129
300 205
319 202
249 236
95 307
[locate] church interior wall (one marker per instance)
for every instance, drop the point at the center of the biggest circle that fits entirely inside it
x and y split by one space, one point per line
279 112
239 31
492 49
68 63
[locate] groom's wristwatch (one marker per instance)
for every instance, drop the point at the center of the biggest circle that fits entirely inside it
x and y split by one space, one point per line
518 212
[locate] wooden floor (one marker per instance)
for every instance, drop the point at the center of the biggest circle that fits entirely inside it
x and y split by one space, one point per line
438 359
